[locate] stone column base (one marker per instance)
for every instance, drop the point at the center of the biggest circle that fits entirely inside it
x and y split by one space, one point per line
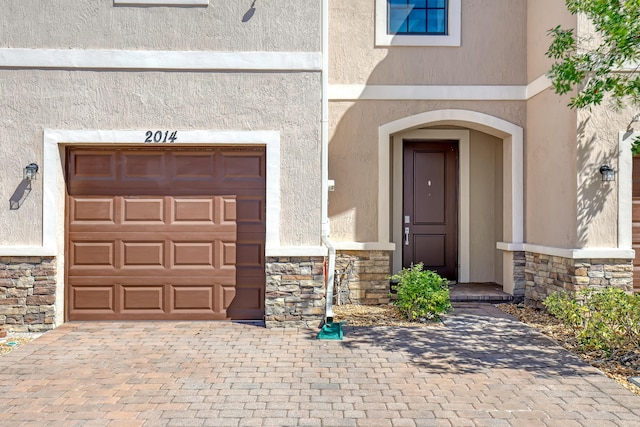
295 292
27 293
546 274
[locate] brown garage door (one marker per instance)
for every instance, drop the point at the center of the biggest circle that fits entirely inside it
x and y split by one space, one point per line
157 234
636 223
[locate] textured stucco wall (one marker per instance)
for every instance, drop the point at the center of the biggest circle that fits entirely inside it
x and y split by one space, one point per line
550 172
353 156
492 50
485 205
32 100
276 25
542 15
559 213
597 200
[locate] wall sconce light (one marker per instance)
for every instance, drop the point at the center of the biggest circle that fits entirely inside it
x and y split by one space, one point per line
30 171
608 174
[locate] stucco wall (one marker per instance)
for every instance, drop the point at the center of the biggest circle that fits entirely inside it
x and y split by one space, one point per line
542 15
485 211
276 25
353 156
598 200
492 50
550 172
581 142
32 100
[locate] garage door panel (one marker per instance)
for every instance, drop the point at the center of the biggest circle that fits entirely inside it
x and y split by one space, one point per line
92 254
91 165
93 298
249 251
146 211
142 298
92 211
193 167
226 255
172 233
193 254
246 299
143 166
143 254
243 166
251 214
156 234
192 298
227 210
192 211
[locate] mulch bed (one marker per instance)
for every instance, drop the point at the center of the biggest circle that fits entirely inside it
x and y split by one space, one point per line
374 315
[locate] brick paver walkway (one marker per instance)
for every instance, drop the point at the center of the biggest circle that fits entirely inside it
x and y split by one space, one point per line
476 370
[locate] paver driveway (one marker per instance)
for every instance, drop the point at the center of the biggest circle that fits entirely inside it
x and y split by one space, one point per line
476 370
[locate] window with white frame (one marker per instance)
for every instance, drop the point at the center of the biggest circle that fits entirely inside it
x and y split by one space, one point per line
418 22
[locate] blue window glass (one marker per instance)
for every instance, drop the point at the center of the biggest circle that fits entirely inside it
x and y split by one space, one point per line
417 17
417 22
435 20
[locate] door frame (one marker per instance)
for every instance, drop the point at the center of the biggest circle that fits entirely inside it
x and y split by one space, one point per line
462 136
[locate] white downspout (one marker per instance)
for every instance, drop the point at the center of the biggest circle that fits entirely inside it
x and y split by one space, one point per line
325 162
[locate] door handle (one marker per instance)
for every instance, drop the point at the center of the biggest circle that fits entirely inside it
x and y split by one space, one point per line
406 236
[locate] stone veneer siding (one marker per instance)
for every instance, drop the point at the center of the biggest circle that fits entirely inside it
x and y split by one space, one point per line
295 289
363 277
27 293
295 292
519 276
546 274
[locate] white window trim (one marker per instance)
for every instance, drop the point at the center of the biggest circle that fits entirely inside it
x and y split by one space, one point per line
454 16
161 2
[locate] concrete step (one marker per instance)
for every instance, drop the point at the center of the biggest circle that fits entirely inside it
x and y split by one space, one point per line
479 292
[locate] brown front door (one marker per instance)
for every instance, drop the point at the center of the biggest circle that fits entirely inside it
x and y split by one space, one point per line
429 222
165 234
636 223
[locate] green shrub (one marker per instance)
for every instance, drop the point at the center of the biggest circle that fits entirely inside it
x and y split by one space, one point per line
605 320
421 293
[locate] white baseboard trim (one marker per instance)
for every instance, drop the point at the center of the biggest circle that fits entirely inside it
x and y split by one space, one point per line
571 253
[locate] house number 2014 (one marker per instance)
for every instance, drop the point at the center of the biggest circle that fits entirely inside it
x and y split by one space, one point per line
161 137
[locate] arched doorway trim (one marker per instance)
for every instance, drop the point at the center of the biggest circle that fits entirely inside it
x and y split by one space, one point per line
513 172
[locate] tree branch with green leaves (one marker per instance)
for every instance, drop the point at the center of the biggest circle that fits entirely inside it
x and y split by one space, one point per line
604 65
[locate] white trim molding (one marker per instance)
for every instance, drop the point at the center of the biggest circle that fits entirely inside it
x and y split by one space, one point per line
625 188
354 92
571 253
364 246
53 178
537 86
159 60
161 2
422 92
453 39
296 251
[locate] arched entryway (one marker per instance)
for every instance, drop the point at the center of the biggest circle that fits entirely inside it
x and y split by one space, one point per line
457 126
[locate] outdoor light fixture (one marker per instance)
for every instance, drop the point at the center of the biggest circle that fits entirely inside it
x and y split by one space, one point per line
30 171
608 174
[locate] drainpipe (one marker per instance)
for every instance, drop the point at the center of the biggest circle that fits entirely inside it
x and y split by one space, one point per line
325 163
